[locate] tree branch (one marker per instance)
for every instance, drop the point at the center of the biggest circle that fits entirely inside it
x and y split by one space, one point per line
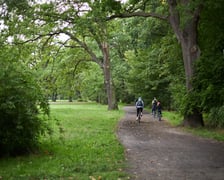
77 64
174 18
138 14
84 46
39 37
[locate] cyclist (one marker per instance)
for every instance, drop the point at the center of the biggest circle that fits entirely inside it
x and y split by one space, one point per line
154 104
139 104
159 109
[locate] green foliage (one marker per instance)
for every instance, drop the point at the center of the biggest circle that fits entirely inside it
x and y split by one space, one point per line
178 95
155 62
20 6
216 117
21 101
175 68
119 43
208 81
152 5
91 84
176 119
85 147
120 79
145 56
190 102
208 133
173 117
111 6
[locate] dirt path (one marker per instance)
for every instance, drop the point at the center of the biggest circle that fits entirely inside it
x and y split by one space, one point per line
156 151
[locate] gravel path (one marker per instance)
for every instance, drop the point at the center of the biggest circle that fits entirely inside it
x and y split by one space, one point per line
157 151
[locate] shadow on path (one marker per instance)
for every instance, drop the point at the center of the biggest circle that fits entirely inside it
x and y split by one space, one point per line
157 151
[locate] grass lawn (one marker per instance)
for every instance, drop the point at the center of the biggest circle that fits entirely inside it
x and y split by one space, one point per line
175 119
84 147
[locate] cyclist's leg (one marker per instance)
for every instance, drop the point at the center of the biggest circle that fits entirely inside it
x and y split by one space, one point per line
141 110
159 115
154 112
138 109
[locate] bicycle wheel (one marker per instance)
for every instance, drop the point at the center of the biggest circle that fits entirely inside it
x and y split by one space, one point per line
139 117
154 114
159 116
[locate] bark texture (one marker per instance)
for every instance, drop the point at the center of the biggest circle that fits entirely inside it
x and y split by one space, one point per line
186 33
112 104
193 120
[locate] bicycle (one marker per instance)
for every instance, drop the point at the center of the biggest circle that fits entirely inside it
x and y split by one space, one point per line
154 113
139 117
160 115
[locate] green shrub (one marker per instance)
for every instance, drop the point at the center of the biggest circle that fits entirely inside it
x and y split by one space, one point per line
216 117
21 102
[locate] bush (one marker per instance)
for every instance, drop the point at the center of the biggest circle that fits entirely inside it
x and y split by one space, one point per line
216 117
21 103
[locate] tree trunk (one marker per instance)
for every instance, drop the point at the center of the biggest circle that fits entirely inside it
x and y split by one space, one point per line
70 99
54 97
105 65
194 120
112 103
187 36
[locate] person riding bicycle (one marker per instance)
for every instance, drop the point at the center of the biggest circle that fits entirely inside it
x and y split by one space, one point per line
154 104
139 106
159 109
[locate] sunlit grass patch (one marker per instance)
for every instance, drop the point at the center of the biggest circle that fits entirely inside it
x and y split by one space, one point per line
83 146
174 118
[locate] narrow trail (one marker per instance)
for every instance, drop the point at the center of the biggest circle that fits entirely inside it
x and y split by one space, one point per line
157 151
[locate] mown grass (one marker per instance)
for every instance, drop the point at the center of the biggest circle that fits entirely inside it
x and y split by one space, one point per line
176 119
84 147
172 117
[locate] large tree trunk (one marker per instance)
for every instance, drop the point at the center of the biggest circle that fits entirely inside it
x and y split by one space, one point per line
193 120
105 65
112 103
187 36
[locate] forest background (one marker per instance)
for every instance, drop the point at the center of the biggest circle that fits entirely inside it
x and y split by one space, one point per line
110 52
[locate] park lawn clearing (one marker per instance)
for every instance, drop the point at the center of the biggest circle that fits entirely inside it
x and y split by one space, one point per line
84 146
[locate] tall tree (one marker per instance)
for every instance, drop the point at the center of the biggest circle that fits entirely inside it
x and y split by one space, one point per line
187 33
89 31
183 16
208 80
82 22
